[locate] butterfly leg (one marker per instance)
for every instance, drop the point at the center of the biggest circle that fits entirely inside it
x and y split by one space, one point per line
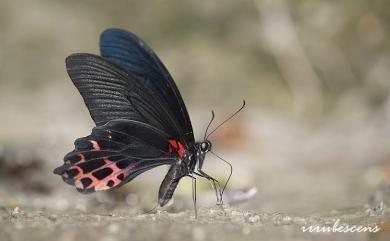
153 210
215 184
194 194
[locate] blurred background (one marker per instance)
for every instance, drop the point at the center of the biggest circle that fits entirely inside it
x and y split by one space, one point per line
315 135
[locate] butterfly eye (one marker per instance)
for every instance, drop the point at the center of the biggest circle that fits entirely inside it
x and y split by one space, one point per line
205 146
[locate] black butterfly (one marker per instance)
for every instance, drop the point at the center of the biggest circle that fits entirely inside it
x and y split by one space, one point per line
141 120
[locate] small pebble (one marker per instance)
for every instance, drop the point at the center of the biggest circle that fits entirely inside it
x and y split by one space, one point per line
379 209
235 213
285 220
15 211
254 219
53 217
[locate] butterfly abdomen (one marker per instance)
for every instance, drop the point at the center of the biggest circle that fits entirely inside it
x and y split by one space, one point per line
170 182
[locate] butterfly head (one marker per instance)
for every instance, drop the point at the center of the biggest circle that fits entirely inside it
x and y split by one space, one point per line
205 146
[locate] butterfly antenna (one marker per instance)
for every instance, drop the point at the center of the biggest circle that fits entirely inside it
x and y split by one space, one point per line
231 171
234 114
208 126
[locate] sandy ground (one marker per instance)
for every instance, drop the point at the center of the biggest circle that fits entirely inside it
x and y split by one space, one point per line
212 224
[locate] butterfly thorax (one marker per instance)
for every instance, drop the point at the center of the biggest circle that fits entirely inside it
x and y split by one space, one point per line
197 153
185 166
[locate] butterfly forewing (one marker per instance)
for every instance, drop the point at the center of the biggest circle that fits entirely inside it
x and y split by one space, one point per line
111 93
133 54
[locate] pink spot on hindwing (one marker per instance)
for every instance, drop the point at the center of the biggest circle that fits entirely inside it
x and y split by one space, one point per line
95 146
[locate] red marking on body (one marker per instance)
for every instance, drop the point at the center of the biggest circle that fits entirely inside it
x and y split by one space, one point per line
175 145
95 145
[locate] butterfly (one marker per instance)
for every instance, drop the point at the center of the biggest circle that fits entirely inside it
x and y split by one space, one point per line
141 120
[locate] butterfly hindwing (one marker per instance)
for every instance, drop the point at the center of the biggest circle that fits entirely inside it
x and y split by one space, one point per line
134 55
111 156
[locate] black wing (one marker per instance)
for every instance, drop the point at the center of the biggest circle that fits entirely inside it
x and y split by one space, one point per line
111 93
114 154
133 54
